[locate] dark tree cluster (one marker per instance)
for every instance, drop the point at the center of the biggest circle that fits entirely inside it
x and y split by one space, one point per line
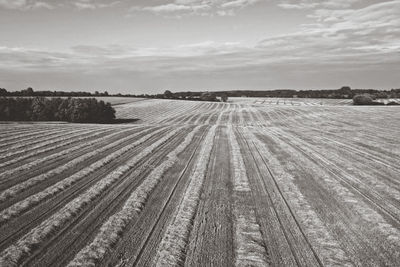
56 109
196 96
368 100
343 93
30 92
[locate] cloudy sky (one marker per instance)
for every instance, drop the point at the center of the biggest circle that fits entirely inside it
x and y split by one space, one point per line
148 46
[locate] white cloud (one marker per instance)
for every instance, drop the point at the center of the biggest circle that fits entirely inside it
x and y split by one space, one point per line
364 36
91 4
25 4
311 4
47 4
238 3
341 41
167 8
369 35
197 7
13 4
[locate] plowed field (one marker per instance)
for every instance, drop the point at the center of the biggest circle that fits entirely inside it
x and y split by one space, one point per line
246 183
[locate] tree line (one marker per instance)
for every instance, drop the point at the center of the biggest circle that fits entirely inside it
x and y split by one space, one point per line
343 93
88 110
30 92
369 100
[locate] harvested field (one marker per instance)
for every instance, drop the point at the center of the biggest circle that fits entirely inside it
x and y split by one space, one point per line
251 182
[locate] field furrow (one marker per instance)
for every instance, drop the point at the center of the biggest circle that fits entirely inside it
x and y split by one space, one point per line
140 242
23 247
115 225
172 248
49 148
248 182
97 213
20 187
267 193
27 203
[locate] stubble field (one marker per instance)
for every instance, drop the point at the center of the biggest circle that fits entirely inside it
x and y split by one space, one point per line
246 183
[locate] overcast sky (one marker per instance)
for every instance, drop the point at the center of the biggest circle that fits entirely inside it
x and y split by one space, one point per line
149 46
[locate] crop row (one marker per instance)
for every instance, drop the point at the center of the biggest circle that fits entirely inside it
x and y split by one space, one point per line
327 247
172 247
66 141
14 254
34 163
18 188
13 137
30 201
249 245
27 147
29 140
111 230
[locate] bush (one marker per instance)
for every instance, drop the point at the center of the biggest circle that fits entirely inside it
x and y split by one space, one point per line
207 96
364 99
55 109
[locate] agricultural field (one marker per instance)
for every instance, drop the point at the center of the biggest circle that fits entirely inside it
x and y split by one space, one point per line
292 101
301 101
244 183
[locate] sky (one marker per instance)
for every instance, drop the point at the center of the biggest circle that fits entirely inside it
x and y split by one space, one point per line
149 46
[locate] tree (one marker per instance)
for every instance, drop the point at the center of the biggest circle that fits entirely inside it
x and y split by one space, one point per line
345 89
43 109
28 91
3 92
39 110
168 94
224 97
207 96
364 99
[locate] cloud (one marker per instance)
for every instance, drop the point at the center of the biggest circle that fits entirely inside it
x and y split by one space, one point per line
295 61
338 38
312 4
25 5
13 4
366 38
168 8
90 4
238 3
197 7
350 45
